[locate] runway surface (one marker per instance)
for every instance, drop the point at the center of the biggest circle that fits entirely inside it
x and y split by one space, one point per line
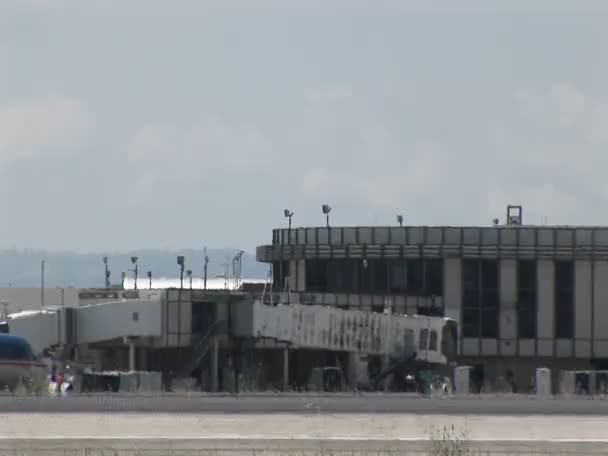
189 434
269 404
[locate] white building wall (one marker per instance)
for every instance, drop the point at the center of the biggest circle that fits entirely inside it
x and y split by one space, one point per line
545 324
600 309
103 322
507 282
582 310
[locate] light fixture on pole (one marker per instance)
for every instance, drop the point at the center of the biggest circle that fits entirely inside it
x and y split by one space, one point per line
189 274
205 268
42 264
181 262
400 219
326 210
288 215
134 260
150 278
107 272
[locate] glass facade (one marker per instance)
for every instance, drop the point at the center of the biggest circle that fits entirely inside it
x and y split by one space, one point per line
480 301
526 299
375 276
564 299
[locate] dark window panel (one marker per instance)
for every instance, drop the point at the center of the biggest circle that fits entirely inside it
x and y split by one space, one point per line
316 275
470 274
526 299
414 277
366 275
564 275
526 274
335 276
350 275
489 274
527 323
276 276
378 308
564 314
470 299
434 277
490 299
398 277
430 311
433 341
380 276
470 322
489 323
564 299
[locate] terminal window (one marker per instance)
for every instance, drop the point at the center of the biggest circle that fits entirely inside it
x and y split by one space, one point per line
480 298
526 299
564 299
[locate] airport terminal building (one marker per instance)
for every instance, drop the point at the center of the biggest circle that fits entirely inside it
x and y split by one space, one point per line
523 296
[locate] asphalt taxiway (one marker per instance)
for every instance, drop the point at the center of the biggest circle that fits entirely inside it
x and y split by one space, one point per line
297 404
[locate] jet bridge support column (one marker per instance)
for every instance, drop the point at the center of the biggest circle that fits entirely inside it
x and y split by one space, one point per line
214 365
285 368
130 342
131 355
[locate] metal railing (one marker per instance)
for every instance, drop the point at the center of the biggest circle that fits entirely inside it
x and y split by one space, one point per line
202 345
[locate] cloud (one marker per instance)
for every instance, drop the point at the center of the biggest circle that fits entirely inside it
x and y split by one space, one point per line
598 128
314 182
207 150
37 127
561 104
329 94
569 101
210 142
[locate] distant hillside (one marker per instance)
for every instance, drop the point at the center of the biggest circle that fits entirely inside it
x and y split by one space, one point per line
21 268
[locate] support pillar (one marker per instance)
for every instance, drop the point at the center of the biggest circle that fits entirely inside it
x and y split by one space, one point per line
285 368
131 356
214 366
143 359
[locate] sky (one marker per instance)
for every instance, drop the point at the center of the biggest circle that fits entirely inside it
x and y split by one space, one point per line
153 124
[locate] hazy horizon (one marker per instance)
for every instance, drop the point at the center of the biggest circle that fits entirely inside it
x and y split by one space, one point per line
147 123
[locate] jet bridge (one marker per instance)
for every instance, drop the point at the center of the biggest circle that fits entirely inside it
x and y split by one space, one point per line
356 331
91 323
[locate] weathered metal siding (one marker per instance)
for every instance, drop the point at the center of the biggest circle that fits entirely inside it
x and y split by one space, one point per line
345 330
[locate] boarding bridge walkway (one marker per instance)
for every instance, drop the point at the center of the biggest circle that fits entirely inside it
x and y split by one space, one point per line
91 323
356 331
